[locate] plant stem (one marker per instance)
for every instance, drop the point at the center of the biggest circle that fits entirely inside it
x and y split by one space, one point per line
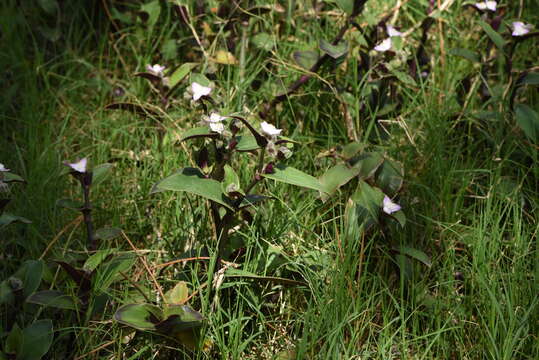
87 214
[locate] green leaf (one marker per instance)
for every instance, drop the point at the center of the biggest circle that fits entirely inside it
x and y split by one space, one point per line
192 181
7 218
100 173
466 54
53 298
178 295
528 120
139 316
403 78
198 132
33 274
107 233
335 51
389 177
231 181
110 271
352 149
10 177
70 204
494 36
296 177
97 258
36 340
366 164
260 139
14 340
400 217
531 78
169 49
306 59
179 318
246 143
152 10
334 178
180 73
414 253
363 208
346 5
263 41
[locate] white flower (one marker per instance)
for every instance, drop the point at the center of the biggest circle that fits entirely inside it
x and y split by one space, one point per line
199 91
218 127
215 122
79 166
384 45
215 118
519 28
3 168
391 31
389 206
486 5
270 129
156 69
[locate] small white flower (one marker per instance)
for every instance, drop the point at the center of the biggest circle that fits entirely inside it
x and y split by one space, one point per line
384 45
199 91
215 118
218 127
389 206
391 31
270 129
486 5
3 168
519 28
79 166
156 69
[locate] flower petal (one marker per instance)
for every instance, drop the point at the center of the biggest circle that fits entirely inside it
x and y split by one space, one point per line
391 31
3 168
156 69
384 45
270 129
519 28
79 166
215 118
218 127
389 207
486 5
199 90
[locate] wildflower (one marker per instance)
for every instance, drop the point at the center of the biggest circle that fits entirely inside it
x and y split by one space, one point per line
391 31
270 129
79 166
3 168
486 5
384 45
199 90
519 28
215 123
389 206
156 69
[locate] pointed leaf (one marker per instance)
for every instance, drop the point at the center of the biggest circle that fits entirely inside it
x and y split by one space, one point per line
97 258
109 272
7 218
10 177
335 51
52 298
296 177
180 73
231 181
346 5
466 54
334 178
192 180
364 207
178 295
389 177
198 132
37 339
151 11
494 36
139 316
528 120
414 253
246 143
366 164
306 59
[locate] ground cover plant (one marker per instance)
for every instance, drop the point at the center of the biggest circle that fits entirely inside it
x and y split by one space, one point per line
269 179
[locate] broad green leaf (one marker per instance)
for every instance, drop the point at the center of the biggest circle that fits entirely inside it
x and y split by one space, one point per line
352 149
178 295
389 177
6 293
262 41
36 340
70 204
152 10
200 79
107 233
306 59
366 164
33 275
100 173
14 340
97 258
363 208
296 177
346 5
180 73
7 218
531 78
466 54
335 51
231 181
198 132
334 178
403 78
109 272
528 120
414 253
10 177
53 298
139 316
246 143
494 36
192 181
400 217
